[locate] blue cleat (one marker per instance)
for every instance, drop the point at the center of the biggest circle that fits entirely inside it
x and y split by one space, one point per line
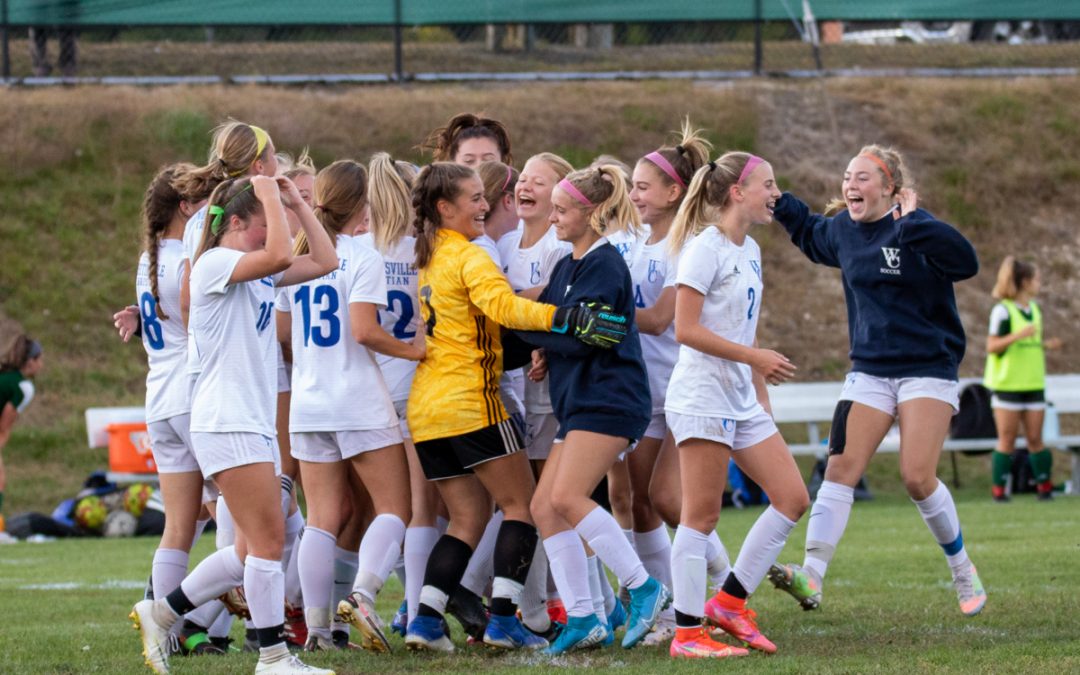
646 603
581 632
617 617
507 632
426 633
401 619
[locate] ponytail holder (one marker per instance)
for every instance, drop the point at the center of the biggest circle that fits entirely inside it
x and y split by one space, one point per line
571 190
215 223
321 207
665 166
680 149
509 175
712 165
748 168
881 165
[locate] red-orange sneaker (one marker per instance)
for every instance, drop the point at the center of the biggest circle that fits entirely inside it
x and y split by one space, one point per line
695 643
556 610
737 620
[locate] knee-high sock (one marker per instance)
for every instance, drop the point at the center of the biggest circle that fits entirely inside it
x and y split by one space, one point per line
828 520
604 535
595 569
654 549
1000 468
534 596
418 544
226 528
344 577
761 547
264 585
205 614
566 559
481 570
606 591
688 572
717 562
168 570
1041 464
294 525
443 574
217 573
939 512
315 562
223 621
379 550
511 559
294 594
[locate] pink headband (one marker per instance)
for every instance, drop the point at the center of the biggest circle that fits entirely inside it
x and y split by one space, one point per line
665 166
751 164
569 189
509 175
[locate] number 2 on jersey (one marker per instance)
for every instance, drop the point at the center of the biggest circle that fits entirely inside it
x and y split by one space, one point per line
305 297
751 295
400 303
155 336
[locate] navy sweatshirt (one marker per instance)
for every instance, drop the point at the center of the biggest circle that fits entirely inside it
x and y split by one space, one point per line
898 280
605 391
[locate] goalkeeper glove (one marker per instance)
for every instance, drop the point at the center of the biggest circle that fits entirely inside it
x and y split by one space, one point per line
594 323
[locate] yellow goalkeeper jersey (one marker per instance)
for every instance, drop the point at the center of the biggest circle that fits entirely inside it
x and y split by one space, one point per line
464 299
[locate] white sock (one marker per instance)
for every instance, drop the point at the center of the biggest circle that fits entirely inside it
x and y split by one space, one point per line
606 591
595 594
274 653
264 586
828 520
294 525
315 560
606 538
534 597
344 577
566 558
654 549
717 561
294 594
226 528
222 623
761 547
481 568
939 512
688 570
434 598
168 570
206 614
418 544
379 551
200 525
217 573
286 494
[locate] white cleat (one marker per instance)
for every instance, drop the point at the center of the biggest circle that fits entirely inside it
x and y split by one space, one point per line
155 637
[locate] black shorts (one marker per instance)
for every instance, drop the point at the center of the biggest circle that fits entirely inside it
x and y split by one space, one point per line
1019 400
443 458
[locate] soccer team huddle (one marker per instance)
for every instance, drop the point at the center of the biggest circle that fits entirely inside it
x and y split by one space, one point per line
448 360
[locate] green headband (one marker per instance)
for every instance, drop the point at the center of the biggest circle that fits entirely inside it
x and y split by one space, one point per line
219 211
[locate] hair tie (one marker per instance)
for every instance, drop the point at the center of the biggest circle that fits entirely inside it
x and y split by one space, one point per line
215 223
321 206
712 165
748 168
509 175
571 190
680 149
881 165
665 166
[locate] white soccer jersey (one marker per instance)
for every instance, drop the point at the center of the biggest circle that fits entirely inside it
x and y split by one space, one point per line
165 340
730 278
336 384
235 339
649 271
192 238
528 268
401 313
488 244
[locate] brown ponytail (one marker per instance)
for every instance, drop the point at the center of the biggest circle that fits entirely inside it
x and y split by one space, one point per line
160 204
436 182
445 141
237 198
340 192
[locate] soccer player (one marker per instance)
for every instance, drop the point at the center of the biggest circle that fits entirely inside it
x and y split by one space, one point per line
1016 373
21 364
898 265
463 436
717 404
601 404
342 417
245 252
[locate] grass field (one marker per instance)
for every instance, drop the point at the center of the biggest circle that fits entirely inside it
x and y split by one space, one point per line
888 605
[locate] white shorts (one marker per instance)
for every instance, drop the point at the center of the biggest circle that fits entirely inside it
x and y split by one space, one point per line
657 426
736 434
334 446
217 451
886 393
170 441
540 431
400 407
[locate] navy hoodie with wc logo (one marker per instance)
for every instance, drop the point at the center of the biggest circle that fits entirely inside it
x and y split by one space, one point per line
898 277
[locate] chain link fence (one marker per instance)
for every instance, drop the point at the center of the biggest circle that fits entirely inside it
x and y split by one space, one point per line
781 38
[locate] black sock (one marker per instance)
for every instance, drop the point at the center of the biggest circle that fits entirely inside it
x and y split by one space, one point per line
179 602
687 621
514 549
733 588
190 628
446 565
268 637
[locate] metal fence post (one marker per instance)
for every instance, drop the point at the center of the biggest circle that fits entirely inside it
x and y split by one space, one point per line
758 51
399 61
4 39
